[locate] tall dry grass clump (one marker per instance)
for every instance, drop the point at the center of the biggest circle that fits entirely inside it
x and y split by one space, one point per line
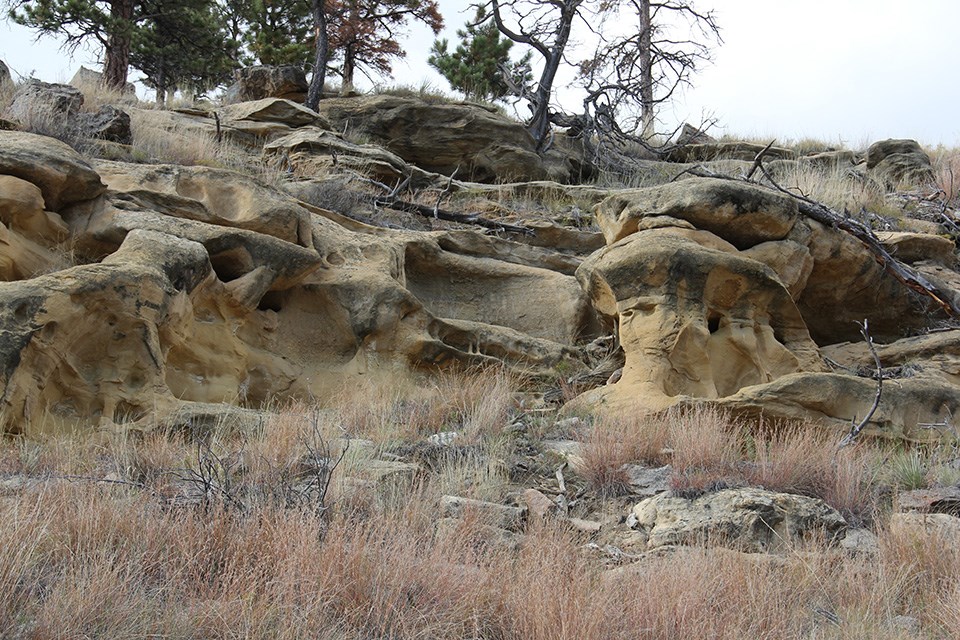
615 442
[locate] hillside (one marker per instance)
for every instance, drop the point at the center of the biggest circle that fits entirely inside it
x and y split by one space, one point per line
512 390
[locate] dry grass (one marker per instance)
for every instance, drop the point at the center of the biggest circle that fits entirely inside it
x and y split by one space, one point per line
613 443
838 187
105 563
133 557
946 169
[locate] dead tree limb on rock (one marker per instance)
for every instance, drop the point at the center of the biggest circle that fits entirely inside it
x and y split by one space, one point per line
903 273
855 430
826 216
391 200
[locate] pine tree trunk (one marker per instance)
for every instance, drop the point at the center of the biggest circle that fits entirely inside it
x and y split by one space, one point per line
117 51
322 53
349 67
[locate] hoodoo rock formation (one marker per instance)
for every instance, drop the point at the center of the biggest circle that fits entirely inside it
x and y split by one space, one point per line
132 290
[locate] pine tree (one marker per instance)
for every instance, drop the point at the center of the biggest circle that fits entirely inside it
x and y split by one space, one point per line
171 42
475 66
363 33
276 32
182 44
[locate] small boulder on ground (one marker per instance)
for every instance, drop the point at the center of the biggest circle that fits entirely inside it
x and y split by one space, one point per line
109 123
746 519
692 135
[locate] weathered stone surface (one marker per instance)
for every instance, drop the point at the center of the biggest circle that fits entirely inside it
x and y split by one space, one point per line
500 515
747 519
941 526
317 152
935 354
256 83
647 481
689 134
63 176
273 110
834 400
740 213
213 196
916 247
899 162
5 79
56 102
694 319
728 151
21 209
457 286
85 79
109 123
847 284
938 500
443 138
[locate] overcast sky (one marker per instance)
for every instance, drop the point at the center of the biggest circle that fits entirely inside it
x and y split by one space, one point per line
847 71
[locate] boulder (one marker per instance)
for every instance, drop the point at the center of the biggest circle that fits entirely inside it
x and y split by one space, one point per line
255 83
475 142
21 210
5 79
317 152
846 284
88 79
34 100
63 175
835 400
942 527
277 110
916 247
933 355
108 123
748 519
689 134
936 500
899 163
740 213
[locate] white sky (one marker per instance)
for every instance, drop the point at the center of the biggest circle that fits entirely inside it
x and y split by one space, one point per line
847 71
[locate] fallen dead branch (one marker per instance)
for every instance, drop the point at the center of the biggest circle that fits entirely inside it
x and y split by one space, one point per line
855 430
828 217
391 200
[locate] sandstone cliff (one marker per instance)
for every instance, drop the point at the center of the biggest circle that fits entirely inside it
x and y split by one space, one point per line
132 290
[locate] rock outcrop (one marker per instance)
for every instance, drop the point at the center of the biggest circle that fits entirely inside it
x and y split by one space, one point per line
132 288
897 162
748 519
474 141
211 289
256 83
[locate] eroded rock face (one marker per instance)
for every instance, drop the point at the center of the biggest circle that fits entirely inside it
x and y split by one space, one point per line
748 519
61 174
255 83
443 138
213 289
696 318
